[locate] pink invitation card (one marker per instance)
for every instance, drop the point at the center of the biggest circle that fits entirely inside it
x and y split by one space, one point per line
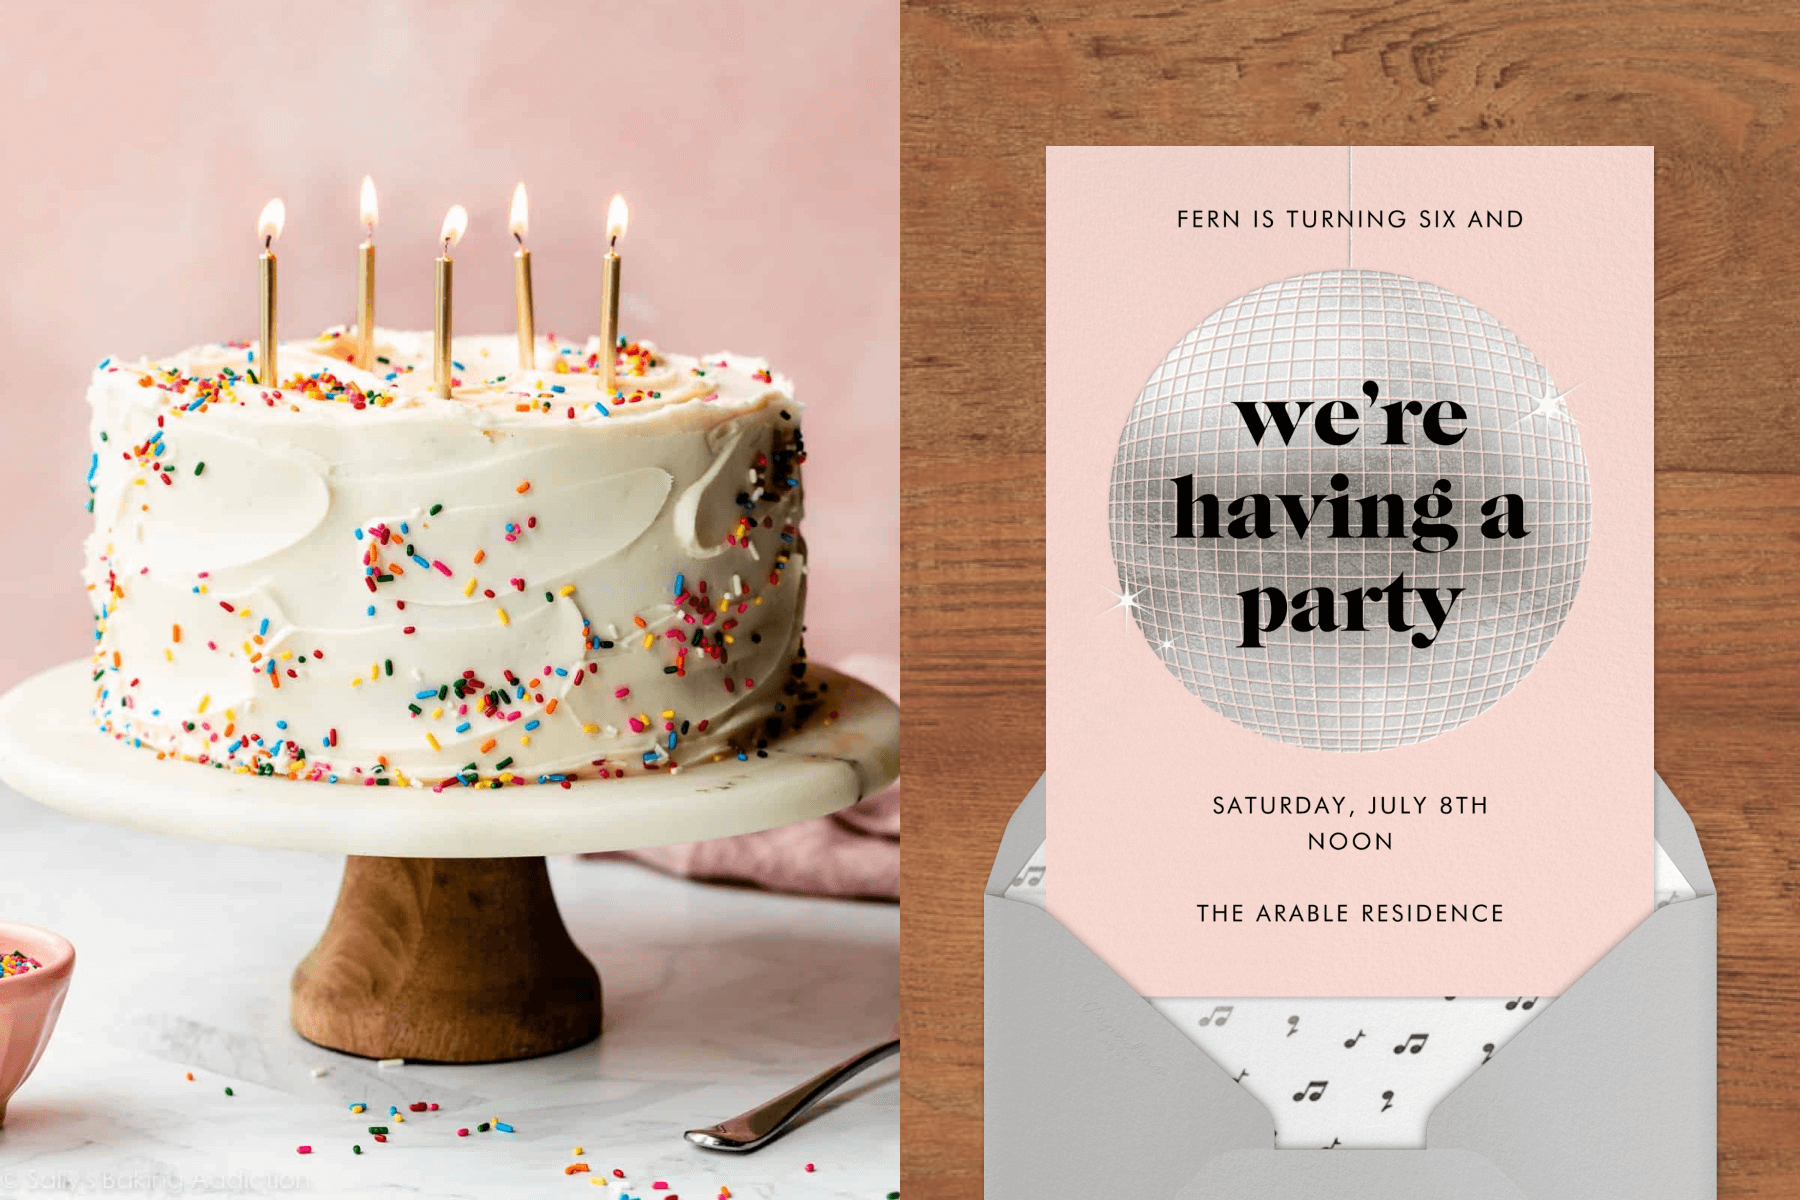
1350 564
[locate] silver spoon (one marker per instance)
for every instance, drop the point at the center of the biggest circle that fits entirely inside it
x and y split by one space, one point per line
763 1124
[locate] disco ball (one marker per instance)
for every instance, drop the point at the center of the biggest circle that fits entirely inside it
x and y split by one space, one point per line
1325 337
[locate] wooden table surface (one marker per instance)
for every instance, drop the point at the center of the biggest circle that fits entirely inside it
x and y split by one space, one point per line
985 87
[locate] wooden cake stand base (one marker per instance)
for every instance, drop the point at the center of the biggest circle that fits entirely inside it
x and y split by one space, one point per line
461 956
417 944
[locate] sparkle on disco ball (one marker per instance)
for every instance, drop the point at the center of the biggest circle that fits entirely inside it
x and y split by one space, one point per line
1319 337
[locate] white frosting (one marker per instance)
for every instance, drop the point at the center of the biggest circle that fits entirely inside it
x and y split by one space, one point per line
299 656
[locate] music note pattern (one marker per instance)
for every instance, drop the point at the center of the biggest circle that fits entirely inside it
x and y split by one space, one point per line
1360 1073
1349 1095
1028 885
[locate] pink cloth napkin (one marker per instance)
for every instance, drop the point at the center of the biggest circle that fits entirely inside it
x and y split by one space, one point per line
852 852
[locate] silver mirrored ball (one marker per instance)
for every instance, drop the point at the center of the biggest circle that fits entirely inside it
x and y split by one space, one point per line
1319 337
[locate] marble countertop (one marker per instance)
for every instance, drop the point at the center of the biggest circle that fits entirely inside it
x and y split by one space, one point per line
716 999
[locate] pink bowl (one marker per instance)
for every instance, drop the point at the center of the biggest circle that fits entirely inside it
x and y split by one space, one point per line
30 1003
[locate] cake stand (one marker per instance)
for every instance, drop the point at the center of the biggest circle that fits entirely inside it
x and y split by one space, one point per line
446 944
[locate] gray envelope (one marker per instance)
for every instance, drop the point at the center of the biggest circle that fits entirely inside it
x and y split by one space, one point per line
1611 1092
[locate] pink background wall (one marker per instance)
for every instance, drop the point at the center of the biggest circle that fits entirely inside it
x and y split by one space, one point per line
758 147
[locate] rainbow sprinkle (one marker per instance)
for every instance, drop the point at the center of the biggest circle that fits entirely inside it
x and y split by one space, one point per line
18 963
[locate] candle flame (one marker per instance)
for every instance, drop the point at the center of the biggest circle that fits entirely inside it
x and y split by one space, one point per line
274 216
368 204
616 215
520 216
456 221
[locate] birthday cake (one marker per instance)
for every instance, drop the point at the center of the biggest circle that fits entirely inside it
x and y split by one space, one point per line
347 578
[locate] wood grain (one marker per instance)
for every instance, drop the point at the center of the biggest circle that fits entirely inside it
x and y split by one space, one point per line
985 87
462 960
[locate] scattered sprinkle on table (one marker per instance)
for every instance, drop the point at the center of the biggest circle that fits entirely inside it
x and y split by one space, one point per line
318 1072
378 1129
503 1127
578 1152
303 1150
809 1168
17 963
356 1149
229 1092
385 1063
462 1133
359 1107
576 1169
190 1077
416 1106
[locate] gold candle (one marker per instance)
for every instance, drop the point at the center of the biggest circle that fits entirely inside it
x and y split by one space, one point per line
522 282
455 222
616 215
365 281
268 227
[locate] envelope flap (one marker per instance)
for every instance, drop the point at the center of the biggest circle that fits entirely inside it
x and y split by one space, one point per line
1024 834
1675 833
1081 1073
1350 1175
1611 1092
